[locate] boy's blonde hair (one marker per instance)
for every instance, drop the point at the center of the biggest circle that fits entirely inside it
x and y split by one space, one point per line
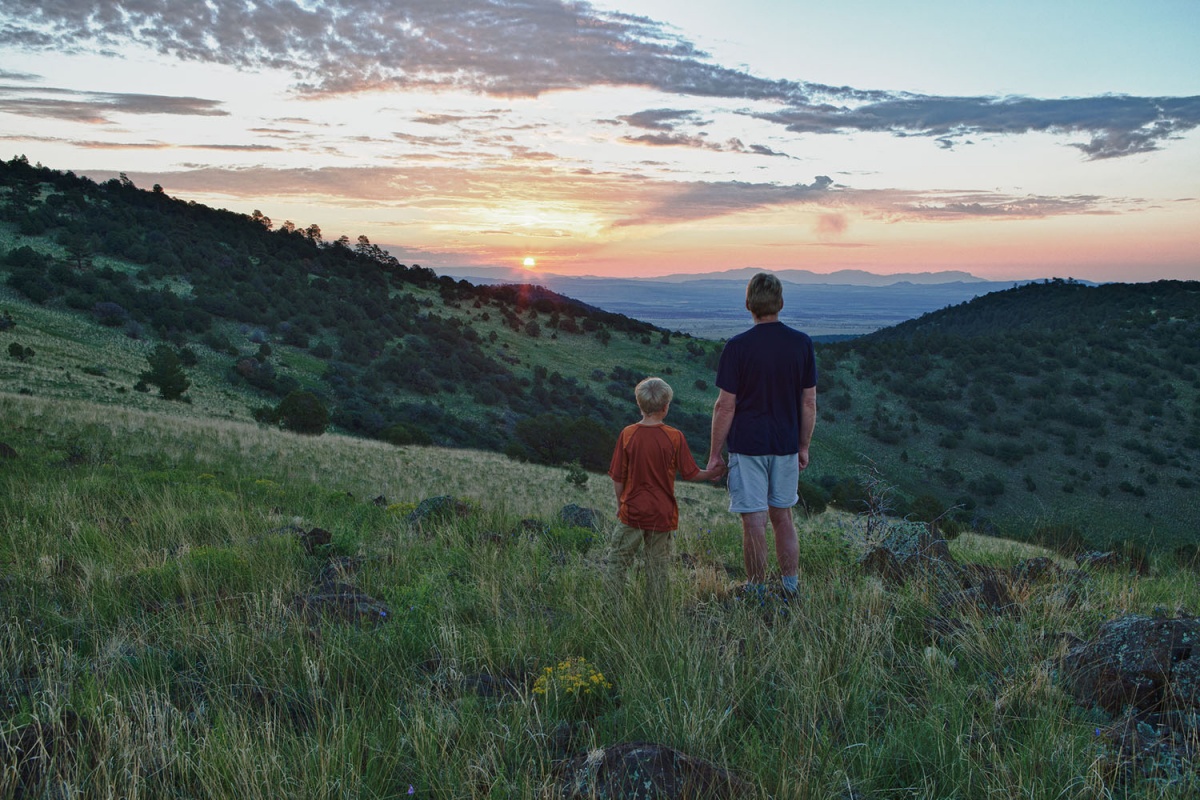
653 395
764 295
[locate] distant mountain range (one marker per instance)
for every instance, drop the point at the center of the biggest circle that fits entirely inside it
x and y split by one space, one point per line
712 305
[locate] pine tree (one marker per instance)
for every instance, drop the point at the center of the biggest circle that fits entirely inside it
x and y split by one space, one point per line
166 372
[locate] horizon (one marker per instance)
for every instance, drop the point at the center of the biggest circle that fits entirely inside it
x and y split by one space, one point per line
622 140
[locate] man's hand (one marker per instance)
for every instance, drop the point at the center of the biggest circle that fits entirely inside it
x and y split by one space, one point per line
715 461
803 458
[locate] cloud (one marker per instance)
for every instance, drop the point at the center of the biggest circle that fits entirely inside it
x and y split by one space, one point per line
98 107
704 200
659 119
831 225
1118 125
609 199
949 205
524 48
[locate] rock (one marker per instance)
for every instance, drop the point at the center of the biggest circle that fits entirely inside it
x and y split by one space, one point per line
989 596
341 601
41 747
1038 570
1098 560
7 453
484 684
581 517
883 563
640 771
380 501
317 537
338 569
432 510
1152 665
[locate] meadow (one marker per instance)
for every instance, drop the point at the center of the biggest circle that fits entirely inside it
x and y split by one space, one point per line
162 636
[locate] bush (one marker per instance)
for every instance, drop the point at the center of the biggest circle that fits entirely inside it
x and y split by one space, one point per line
401 434
1188 556
813 499
303 412
20 352
1064 539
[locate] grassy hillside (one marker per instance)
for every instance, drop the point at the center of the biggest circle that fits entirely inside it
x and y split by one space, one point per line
1053 410
1045 406
168 631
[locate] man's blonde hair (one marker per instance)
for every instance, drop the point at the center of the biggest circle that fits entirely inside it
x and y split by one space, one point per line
653 395
764 295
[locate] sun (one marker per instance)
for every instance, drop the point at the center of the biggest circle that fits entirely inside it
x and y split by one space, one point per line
530 262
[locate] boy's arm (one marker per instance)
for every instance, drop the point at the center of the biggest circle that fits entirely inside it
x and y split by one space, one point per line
618 487
712 474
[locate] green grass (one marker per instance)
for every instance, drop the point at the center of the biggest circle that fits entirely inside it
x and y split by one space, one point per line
150 633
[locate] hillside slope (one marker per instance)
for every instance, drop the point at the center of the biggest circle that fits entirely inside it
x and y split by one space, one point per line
1050 407
1050 404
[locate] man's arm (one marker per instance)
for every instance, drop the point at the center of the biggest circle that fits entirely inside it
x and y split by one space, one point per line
722 421
808 421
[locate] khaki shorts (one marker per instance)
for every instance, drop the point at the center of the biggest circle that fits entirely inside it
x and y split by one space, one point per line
757 483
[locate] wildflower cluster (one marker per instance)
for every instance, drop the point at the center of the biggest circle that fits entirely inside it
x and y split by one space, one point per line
401 509
574 677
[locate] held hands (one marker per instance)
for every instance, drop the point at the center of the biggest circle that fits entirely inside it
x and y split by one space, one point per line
715 471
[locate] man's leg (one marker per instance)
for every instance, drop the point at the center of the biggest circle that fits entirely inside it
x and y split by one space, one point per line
787 545
754 546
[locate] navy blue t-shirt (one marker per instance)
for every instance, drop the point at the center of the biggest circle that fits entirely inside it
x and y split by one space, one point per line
767 367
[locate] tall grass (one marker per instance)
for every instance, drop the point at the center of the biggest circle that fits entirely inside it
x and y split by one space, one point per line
152 643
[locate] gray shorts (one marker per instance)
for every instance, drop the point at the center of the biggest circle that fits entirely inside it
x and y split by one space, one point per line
759 482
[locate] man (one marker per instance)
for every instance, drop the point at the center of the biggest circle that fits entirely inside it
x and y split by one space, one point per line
766 411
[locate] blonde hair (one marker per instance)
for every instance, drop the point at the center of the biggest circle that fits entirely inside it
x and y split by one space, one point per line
764 295
653 395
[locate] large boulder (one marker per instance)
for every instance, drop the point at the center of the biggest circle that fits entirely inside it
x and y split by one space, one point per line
343 602
1149 664
433 510
641 771
581 517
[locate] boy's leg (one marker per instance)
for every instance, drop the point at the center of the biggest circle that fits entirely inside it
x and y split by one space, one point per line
622 550
658 562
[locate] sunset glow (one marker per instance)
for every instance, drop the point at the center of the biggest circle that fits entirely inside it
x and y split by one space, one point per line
661 142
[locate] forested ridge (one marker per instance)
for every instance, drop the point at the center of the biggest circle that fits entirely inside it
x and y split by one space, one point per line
1053 409
1069 405
390 337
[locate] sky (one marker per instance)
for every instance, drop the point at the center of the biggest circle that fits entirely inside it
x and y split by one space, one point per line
1018 140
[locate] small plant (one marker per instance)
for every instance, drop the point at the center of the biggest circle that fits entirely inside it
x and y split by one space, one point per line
576 475
573 687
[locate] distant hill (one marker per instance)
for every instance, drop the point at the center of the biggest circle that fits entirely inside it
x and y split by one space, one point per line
1041 408
1050 404
712 305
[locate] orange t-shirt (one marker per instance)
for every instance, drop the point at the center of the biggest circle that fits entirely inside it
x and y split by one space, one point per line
645 460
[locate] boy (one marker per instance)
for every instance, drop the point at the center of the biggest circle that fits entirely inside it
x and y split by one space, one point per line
644 463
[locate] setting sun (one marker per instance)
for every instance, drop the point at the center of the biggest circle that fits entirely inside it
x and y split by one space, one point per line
529 262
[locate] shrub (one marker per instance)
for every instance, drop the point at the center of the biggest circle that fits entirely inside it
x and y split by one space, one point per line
303 412
1065 539
20 352
401 434
576 475
1188 556
813 499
